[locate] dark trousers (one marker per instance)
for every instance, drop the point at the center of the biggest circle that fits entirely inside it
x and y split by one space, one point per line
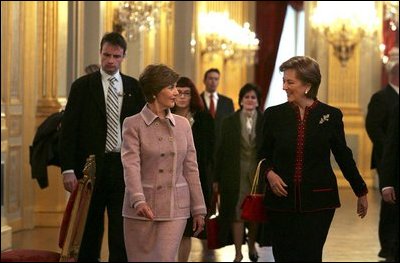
387 227
299 237
108 194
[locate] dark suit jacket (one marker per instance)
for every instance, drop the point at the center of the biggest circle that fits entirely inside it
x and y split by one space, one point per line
390 159
377 121
84 124
224 108
228 171
204 141
318 188
44 150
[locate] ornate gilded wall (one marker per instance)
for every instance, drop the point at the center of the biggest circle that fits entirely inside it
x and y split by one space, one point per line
46 45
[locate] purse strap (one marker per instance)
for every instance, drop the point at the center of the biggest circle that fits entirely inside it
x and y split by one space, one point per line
256 176
215 201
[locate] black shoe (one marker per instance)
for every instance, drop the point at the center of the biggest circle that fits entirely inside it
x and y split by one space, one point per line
253 257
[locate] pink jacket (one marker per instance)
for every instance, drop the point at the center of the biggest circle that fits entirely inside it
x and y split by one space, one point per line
160 166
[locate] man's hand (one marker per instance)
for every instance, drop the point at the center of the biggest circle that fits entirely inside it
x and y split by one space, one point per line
70 181
389 195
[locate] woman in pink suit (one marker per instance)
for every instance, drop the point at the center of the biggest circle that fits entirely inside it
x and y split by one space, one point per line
161 174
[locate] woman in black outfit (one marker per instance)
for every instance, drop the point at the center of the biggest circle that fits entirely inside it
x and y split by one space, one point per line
190 105
302 192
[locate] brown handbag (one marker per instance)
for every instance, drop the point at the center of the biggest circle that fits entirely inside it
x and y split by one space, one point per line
253 207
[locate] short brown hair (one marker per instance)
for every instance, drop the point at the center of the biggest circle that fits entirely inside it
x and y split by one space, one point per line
246 89
154 78
115 39
209 71
307 70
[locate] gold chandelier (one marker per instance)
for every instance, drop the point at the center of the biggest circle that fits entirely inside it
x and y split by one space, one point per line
220 35
135 17
345 28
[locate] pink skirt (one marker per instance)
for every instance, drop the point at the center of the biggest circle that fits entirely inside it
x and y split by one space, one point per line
154 241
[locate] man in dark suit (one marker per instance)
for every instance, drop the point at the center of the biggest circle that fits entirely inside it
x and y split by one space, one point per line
377 121
217 104
389 174
97 105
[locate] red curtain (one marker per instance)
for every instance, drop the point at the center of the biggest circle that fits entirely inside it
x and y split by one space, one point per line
390 39
270 16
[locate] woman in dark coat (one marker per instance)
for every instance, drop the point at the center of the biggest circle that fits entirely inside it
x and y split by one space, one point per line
235 167
298 138
189 104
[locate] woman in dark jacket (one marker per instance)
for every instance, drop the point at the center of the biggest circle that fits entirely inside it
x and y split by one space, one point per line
302 192
189 104
235 167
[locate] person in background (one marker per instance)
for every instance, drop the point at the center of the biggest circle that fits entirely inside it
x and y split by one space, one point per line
376 124
91 124
298 138
389 184
189 105
218 105
92 68
161 173
236 162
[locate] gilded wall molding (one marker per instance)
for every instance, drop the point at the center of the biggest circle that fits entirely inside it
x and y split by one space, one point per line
47 58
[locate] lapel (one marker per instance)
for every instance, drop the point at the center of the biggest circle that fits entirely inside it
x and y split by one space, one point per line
126 92
204 101
237 127
98 92
220 107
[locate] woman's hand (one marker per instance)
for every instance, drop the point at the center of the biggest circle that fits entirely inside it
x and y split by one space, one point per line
277 184
389 195
198 224
144 210
362 206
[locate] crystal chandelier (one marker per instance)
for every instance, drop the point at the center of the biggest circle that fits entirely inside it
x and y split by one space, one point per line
391 18
392 13
135 17
345 29
220 35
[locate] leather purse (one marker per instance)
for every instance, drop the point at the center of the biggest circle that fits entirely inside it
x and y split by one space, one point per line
253 205
212 225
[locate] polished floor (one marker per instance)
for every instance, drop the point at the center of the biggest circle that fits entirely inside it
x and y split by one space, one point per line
350 238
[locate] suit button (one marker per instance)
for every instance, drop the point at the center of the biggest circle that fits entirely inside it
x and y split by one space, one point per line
161 170
162 155
172 153
159 187
156 123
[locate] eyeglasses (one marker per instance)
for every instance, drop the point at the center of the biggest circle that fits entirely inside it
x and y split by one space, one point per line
185 94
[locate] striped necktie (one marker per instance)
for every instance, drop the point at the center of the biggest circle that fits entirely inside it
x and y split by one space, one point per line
112 116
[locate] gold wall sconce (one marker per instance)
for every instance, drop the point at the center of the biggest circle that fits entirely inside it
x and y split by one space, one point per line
345 24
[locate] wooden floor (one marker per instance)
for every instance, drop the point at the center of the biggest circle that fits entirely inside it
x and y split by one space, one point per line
350 238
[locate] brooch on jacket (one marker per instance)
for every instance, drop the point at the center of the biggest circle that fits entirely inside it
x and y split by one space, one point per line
324 118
